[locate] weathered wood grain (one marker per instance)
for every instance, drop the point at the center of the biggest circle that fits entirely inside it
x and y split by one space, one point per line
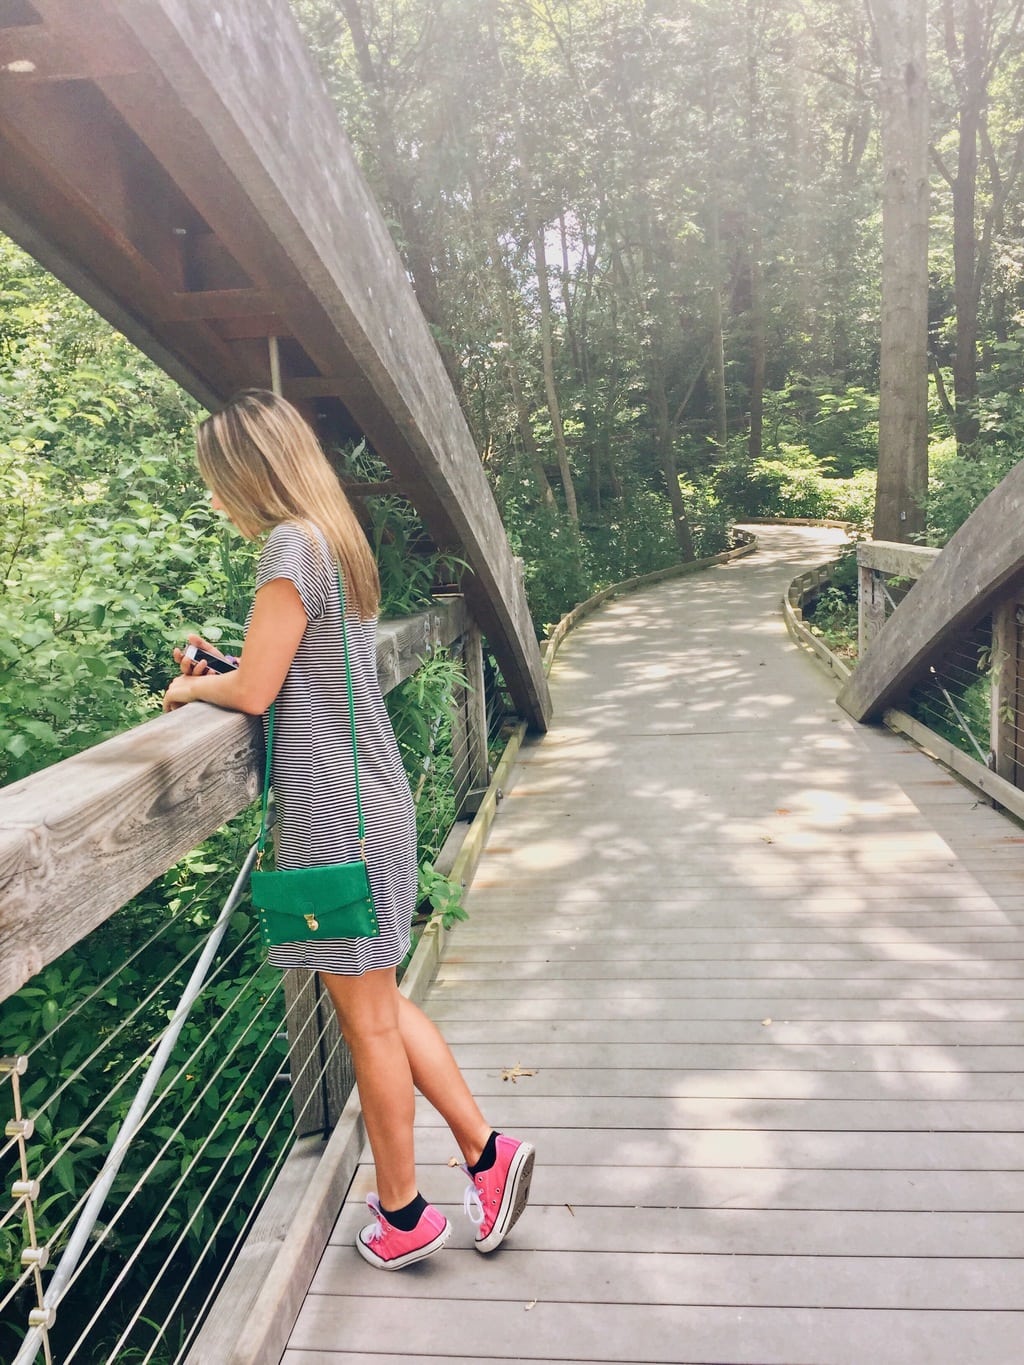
617 1332
894 559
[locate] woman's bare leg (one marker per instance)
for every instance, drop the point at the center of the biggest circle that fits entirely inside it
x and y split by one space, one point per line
437 1077
369 1009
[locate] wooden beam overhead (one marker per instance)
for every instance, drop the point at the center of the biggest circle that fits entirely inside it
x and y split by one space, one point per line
31 53
320 386
219 304
226 207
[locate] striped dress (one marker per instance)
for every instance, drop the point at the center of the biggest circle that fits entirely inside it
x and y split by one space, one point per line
312 776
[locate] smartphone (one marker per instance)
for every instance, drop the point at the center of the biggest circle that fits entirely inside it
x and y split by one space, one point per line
201 655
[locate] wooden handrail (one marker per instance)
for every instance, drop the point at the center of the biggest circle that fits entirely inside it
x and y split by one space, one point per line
80 838
893 558
981 563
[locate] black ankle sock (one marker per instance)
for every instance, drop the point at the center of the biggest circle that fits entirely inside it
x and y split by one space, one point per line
488 1156
406 1219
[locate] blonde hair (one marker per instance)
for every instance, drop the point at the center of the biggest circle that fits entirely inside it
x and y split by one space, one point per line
263 461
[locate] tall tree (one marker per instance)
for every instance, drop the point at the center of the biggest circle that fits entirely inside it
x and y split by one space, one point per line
977 35
901 33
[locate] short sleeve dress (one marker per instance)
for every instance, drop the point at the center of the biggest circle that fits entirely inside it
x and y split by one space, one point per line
312 772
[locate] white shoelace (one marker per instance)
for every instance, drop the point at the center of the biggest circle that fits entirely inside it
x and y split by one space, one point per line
471 1201
377 1231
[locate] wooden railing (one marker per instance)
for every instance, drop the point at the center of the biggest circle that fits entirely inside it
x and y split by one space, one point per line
80 839
801 596
941 649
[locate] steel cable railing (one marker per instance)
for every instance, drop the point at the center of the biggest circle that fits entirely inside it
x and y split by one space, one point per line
110 1094
119 1147
199 1205
954 697
125 1023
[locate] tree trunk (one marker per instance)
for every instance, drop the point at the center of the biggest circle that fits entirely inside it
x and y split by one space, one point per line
758 345
399 191
965 237
716 361
664 435
901 26
550 387
505 291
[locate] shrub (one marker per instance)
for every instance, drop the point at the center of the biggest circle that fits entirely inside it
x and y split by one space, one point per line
794 483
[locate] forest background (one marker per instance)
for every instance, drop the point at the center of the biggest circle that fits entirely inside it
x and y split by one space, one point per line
647 236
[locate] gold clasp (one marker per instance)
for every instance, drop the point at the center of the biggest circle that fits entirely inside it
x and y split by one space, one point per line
259 861
312 923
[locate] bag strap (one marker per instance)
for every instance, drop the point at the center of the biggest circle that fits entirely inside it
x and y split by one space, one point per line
261 841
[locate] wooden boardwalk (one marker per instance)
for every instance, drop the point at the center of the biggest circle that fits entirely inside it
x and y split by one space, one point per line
761 970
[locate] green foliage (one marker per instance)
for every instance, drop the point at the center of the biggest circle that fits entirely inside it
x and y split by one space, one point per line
557 567
834 618
794 483
442 894
108 553
421 710
839 427
959 483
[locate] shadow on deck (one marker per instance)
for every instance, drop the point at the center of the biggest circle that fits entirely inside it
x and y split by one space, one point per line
760 971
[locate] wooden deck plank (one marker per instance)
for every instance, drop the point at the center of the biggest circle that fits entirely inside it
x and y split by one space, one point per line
712 1056
516 1110
736 1187
700 845
626 1082
835 1009
475 1329
779 1033
699 990
789 1150
681 1278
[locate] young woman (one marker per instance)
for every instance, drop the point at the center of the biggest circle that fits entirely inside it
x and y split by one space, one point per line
267 473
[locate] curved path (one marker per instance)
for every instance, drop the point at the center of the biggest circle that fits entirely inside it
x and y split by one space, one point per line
759 972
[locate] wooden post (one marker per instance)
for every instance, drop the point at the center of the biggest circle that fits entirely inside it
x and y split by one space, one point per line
469 725
870 607
462 774
476 709
1006 756
321 1068
302 1014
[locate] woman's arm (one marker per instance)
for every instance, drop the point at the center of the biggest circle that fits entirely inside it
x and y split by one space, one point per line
277 626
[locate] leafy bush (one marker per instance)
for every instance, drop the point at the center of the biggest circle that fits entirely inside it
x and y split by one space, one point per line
794 484
557 568
958 483
839 427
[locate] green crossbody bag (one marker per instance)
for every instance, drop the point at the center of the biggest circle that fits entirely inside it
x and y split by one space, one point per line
303 903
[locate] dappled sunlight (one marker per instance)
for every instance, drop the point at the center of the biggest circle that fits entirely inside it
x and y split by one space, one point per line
756 960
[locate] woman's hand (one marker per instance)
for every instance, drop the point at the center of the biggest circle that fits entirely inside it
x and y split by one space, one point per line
179 693
275 632
196 667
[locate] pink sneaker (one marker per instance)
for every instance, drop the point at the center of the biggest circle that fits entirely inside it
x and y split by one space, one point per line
496 1198
388 1248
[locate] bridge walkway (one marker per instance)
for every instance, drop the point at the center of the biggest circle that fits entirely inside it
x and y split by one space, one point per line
750 976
